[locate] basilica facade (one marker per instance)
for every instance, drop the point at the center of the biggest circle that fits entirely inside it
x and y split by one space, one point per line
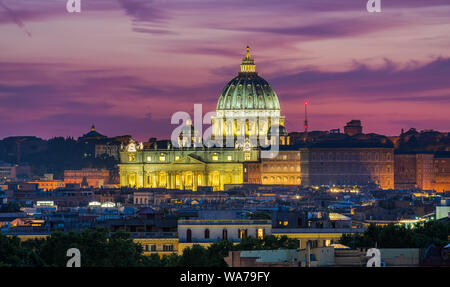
247 114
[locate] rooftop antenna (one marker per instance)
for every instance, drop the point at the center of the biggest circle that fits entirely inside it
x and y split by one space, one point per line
306 120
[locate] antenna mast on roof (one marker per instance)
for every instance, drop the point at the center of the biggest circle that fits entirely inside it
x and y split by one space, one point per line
305 125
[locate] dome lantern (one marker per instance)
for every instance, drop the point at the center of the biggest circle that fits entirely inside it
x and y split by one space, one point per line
248 64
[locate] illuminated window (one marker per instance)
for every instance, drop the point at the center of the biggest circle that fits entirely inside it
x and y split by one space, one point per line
177 157
230 157
260 233
149 158
131 157
242 233
215 157
162 157
247 156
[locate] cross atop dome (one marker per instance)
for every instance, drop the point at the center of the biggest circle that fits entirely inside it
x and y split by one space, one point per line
248 64
247 55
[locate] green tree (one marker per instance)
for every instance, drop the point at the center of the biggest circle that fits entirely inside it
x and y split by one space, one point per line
399 236
13 253
217 252
195 256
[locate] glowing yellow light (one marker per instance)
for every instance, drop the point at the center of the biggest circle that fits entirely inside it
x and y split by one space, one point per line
260 233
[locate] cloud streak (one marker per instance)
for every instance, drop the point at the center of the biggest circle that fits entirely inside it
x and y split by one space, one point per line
15 18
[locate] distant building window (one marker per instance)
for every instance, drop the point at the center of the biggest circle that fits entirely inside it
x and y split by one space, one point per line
206 233
230 157
149 158
247 156
225 234
167 248
215 157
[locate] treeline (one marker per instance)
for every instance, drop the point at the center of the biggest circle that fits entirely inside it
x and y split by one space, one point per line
213 256
55 155
399 236
99 248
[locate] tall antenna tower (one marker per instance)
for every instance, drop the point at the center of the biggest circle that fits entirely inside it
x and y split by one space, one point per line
306 121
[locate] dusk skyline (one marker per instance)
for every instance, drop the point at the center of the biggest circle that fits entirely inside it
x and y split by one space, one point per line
128 65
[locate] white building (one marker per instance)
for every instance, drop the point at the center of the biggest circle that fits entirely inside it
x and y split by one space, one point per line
209 228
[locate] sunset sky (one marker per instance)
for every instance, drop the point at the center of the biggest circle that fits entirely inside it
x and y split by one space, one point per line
128 65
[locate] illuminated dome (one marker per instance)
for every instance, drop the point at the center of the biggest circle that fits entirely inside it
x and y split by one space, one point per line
247 108
248 91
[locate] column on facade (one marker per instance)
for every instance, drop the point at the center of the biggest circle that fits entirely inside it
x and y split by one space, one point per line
140 179
145 179
220 180
171 180
154 180
194 180
123 178
181 180
200 182
175 179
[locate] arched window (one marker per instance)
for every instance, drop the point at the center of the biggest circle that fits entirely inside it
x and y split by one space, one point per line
206 233
225 234
242 233
188 235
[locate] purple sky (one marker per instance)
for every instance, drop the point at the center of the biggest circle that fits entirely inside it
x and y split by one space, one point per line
128 65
